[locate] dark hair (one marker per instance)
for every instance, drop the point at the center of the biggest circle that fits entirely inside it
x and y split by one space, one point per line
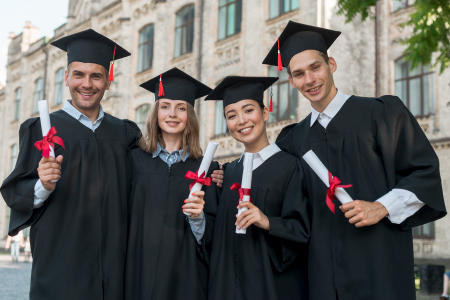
325 57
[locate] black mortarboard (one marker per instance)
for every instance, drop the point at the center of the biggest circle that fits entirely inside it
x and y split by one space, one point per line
176 85
90 46
233 89
296 38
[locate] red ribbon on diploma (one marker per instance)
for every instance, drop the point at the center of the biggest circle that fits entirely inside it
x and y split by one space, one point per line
242 192
49 140
334 184
200 179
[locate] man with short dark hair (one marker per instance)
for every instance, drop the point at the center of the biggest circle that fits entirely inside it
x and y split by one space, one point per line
364 249
79 223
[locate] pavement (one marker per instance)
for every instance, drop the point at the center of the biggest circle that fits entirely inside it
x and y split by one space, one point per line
15 280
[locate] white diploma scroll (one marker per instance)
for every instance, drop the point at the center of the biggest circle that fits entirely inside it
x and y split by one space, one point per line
204 167
318 167
246 184
45 124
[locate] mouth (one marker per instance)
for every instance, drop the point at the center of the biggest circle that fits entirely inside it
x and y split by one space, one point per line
246 130
86 95
172 123
314 90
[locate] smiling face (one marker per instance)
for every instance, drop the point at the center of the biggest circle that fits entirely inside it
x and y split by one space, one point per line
172 116
87 83
246 123
313 77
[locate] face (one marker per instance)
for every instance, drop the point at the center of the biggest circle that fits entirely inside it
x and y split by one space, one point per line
245 121
313 77
87 83
172 116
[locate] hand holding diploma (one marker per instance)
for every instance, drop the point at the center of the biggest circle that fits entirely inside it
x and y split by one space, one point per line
194 205
244 188
251 216
49 171
363 213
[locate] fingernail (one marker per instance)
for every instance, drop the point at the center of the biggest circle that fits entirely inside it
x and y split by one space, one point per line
185 201
183 209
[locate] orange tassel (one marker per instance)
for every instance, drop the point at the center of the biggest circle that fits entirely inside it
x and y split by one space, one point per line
161 88
111 69
271 102
280 64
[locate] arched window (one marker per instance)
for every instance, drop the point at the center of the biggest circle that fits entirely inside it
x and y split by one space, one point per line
59 86
17 96
415 88
279 7
184 30
230 16
145 52
285 98
38 93
141 115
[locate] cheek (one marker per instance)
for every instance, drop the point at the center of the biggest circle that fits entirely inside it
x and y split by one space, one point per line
231 124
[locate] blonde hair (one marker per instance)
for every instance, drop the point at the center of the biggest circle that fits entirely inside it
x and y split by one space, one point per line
149 141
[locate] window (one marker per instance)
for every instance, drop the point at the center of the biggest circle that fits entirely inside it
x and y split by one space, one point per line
425 231
145 56
401 4
17 96
13 157
141 115
184 30
59 85
230 15
415 88
38 93
285 98
220 124
279 7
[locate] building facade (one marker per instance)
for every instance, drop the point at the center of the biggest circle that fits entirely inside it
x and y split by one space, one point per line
213 39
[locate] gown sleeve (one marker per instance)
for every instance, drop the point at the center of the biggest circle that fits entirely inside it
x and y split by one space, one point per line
284 138
133 134
409 159
18 187
291 229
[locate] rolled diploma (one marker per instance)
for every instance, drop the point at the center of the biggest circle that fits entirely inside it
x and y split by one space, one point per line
45 123
318 167
246 184
204 167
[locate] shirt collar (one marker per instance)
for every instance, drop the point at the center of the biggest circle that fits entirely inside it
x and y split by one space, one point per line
75 113
160 149
333 107
265 153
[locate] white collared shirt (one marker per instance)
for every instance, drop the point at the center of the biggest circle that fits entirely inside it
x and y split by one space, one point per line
400 203
263 155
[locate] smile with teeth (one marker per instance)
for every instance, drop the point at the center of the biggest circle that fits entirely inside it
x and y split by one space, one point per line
245 130
86 94
314 89
172 123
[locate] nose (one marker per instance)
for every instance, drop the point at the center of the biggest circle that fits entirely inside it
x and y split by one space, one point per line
86 82
172 112
310 78
242 118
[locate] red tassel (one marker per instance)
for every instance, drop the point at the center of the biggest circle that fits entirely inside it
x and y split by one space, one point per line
111 69
161 88
280 64
271 102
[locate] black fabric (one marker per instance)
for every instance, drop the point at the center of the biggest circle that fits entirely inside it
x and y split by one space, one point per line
296 38
233 89
376 145
89 46
78 237
262 264
164 260
177 85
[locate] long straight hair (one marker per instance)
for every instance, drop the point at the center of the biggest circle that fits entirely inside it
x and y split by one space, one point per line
191 134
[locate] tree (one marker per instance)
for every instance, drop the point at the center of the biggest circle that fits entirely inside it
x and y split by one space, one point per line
430 22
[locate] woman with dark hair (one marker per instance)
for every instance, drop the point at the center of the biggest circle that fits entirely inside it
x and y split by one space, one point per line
269 260
167 250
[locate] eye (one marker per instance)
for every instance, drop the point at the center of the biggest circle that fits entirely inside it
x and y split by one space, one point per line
164 107
298 75
182 108
230 117
316 67
249 110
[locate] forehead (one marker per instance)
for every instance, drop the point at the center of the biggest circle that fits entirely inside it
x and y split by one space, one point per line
304 59
87 67
240 104
172 102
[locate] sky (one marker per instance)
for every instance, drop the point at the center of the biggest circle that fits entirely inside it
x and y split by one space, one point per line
43 14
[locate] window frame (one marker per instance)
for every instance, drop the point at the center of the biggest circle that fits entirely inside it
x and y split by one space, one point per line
150 42
280 9
421 235
137 110
275 105
57 84
38 94
17 103
238 8
189 43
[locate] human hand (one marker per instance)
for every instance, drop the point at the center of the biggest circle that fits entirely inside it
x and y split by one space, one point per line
363 213
251 216
194 205
217 176
50 169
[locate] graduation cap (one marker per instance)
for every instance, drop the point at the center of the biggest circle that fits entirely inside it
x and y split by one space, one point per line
296 38
90 46
176 85
233 89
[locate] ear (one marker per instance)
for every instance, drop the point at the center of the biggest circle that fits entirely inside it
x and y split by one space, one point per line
333 64
266 114
108 84
291 81
66 76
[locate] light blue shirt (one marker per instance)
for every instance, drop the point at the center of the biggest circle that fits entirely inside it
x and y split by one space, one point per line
198 223
40 193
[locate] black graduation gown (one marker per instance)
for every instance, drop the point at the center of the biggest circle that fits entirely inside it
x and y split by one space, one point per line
262 264
78 237
164 260
376 145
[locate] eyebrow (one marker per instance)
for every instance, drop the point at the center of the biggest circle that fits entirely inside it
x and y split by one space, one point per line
78 71
300 70
232 110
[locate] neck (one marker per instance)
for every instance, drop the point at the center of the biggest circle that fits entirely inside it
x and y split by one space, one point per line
173 142
320 106
258 145
92 114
